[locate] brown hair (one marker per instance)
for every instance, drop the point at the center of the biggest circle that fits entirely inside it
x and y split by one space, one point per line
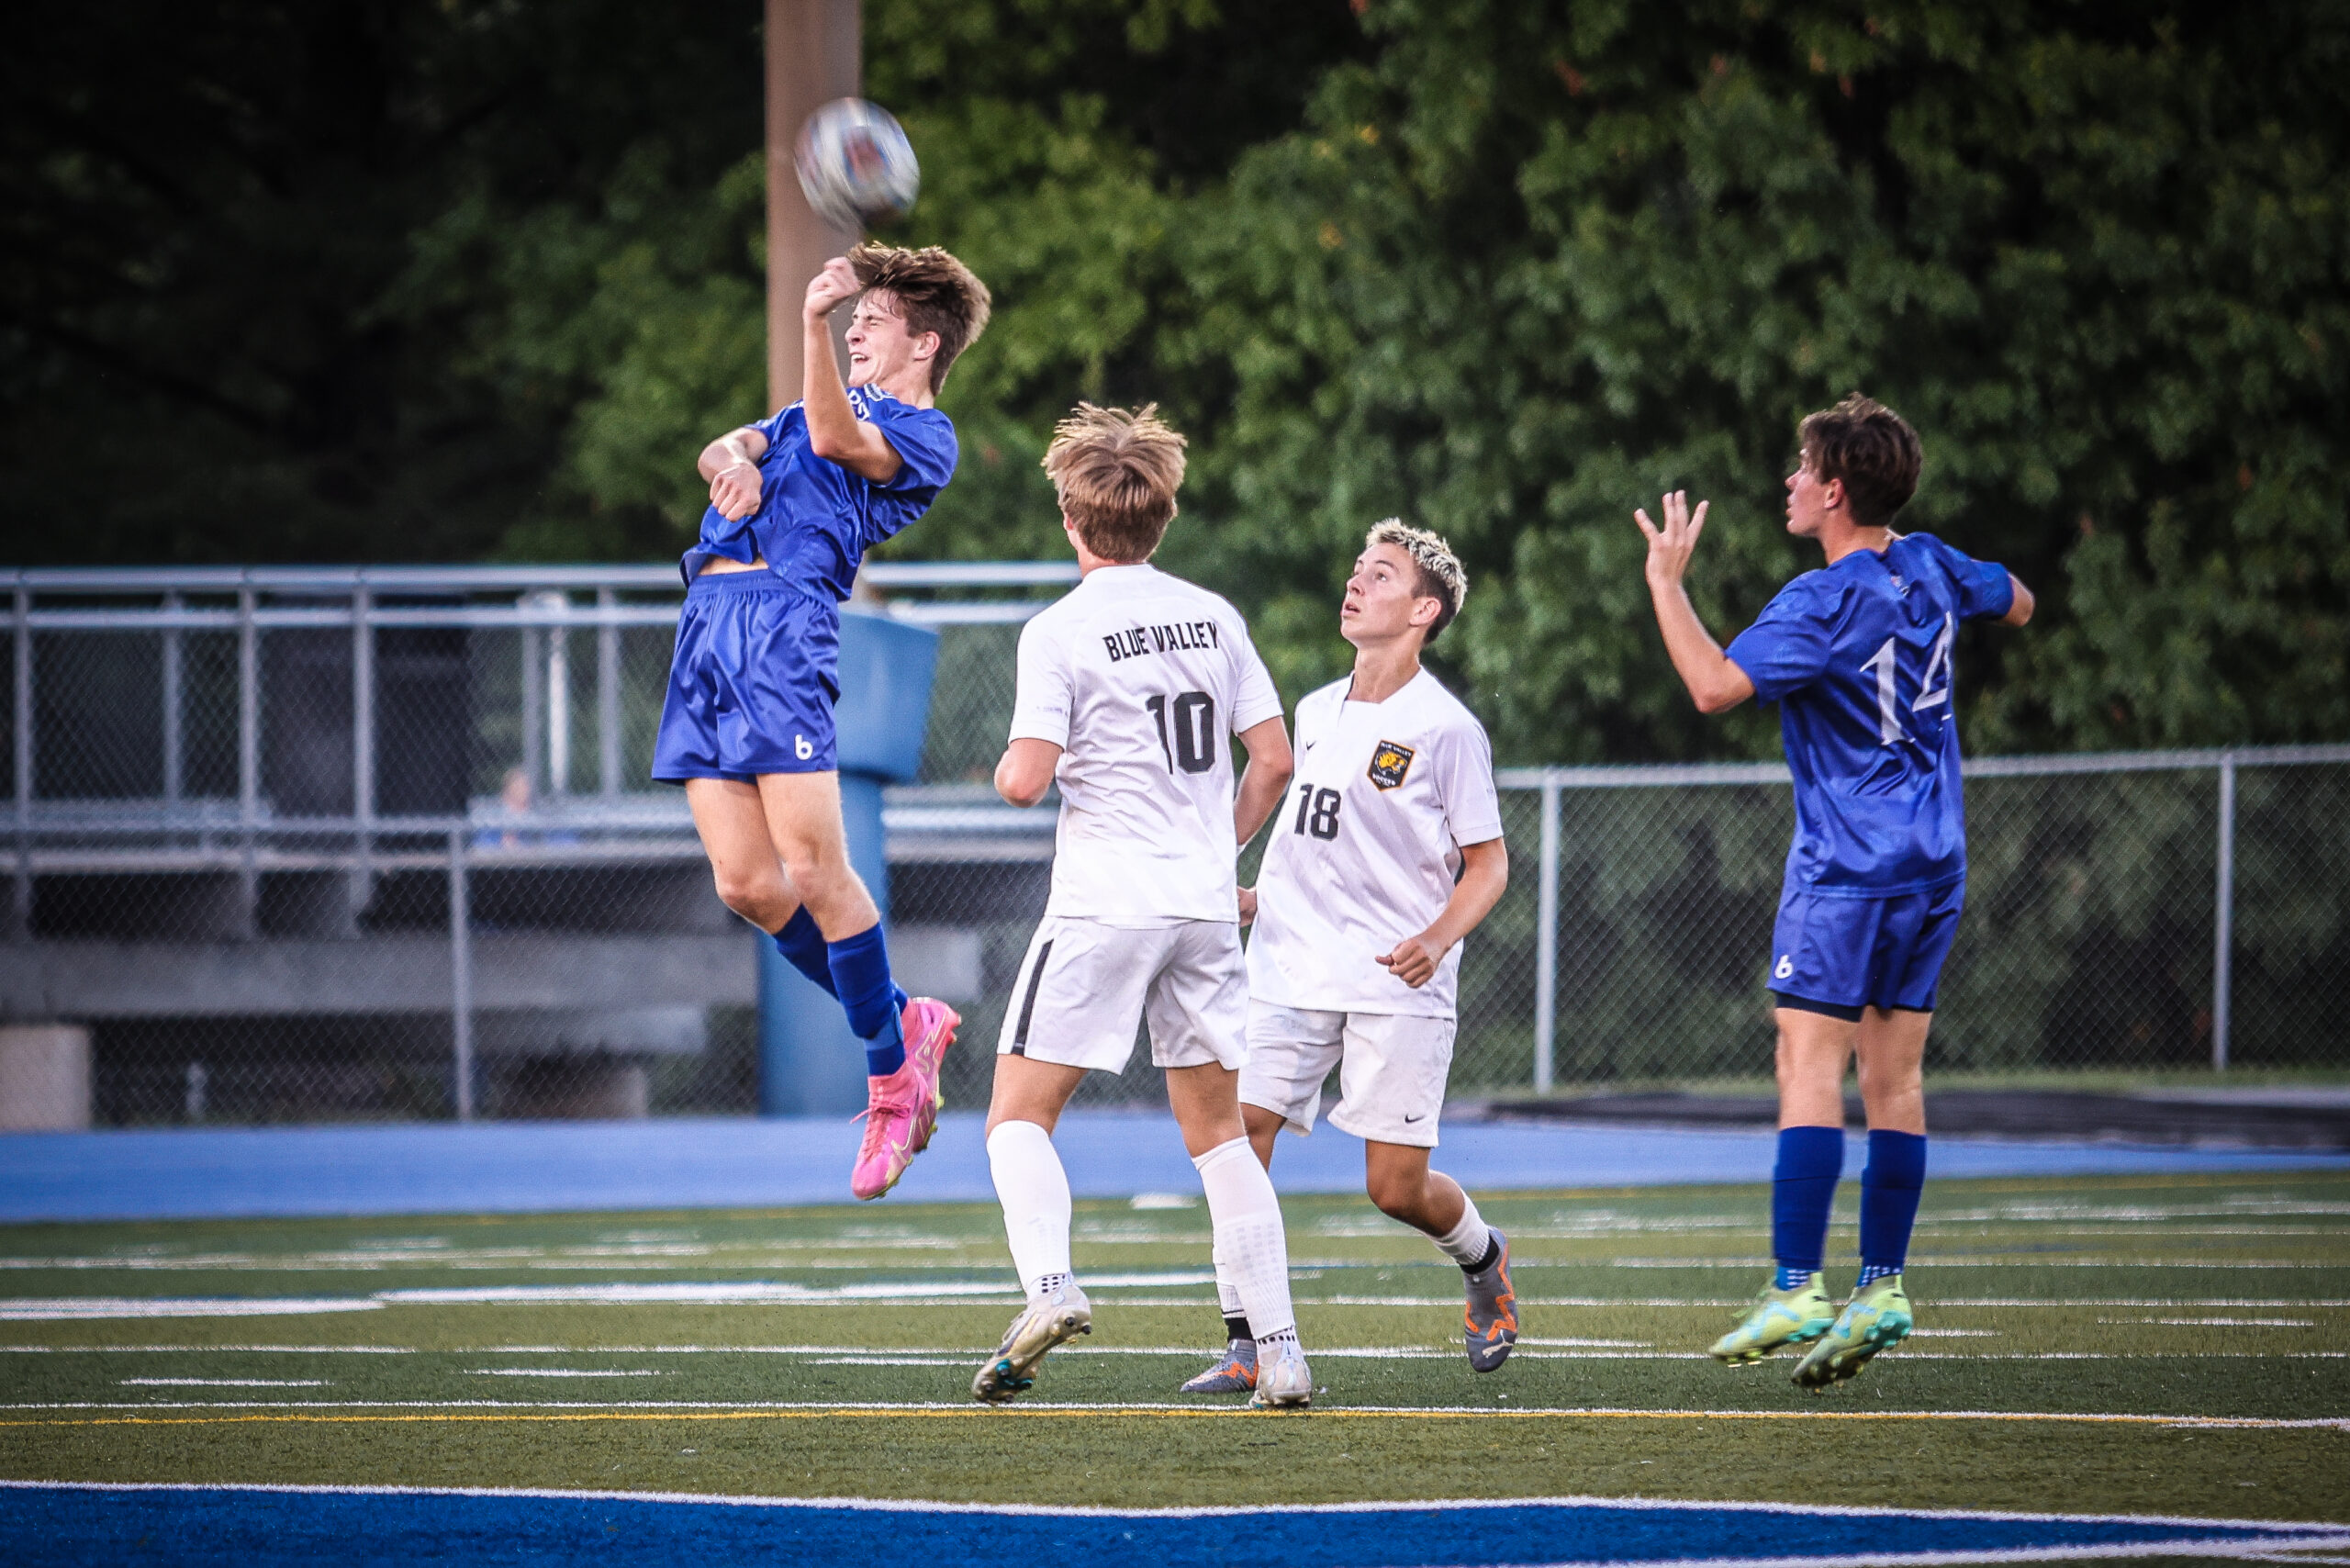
1436 570
1872 449
937 294
1117 473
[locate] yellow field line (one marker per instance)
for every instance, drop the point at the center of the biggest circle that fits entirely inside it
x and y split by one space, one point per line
2240 1422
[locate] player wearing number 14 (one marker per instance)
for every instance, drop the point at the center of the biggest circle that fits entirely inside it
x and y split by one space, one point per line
1858 655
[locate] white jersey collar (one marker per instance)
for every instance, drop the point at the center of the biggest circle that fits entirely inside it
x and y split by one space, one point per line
1345 693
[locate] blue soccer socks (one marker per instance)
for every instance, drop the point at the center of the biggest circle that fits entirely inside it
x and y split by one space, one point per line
1802 1186
1890 1186
860 969
803 947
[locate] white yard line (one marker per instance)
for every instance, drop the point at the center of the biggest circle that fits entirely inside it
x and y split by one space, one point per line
222 1383
561 1372
97 1309
1149 1407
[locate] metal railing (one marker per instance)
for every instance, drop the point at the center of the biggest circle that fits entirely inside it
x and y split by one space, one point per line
268 823
308 844
2038 825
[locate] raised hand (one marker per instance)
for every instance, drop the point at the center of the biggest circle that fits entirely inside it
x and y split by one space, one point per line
831 288
1670 546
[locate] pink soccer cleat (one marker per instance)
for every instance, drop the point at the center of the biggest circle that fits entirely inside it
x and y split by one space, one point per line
903 1110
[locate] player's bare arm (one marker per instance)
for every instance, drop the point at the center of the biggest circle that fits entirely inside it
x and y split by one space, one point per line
731 464
2019 613
1260 791
1484 875
1026 770
1715 683
834 432
1271 764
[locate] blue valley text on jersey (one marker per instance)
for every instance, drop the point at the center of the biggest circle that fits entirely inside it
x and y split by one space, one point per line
1181 635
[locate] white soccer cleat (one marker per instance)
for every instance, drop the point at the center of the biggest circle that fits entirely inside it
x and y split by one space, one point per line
1055 1320
1283 1380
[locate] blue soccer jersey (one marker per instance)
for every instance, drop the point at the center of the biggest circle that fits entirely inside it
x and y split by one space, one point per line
816 519
1858 655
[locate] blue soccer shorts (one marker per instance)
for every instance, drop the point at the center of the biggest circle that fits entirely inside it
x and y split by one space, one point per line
1838 954
752 683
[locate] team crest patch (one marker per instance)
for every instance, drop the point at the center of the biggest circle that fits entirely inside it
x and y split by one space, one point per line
1389 764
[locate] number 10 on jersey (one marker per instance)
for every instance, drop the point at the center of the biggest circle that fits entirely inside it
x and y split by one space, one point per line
1187 735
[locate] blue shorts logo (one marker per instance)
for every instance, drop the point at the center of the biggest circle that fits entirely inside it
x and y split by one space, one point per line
1787 969
801 747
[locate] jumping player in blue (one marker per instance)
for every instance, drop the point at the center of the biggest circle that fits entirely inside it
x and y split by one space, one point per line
795 501
1858 655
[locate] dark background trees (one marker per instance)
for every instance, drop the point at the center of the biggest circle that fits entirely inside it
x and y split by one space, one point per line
398 281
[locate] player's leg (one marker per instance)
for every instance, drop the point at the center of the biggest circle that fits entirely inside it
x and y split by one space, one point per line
1391 1081
1892 1046
1198 1010
1891 1054
1793 1308
1820 977
1291 1051
732 823
905 1040
1251 1241
1033 1189
1397 1177
1263 1127
803 821
1914 940
698 734
1075 1004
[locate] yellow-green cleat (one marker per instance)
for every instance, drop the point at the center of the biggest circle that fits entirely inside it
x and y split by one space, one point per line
1795 1316
1876 1319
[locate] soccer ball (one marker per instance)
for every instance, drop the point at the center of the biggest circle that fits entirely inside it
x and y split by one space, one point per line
855 164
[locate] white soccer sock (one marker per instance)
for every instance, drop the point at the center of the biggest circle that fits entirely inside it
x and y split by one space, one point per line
1465 1243
1249 1242
1034 1190
1227 1294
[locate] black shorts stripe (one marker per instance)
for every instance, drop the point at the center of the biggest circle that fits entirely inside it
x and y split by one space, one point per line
1028 1002
1825 1009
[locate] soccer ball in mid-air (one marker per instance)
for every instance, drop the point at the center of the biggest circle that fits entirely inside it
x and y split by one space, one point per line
855 164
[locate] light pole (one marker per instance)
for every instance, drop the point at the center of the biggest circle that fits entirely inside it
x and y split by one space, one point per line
814 53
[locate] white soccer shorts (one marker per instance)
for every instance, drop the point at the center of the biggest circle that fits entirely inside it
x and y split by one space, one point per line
1084 986
1392 1069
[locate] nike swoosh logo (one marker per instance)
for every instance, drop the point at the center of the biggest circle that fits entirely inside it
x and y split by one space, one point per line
1421 1117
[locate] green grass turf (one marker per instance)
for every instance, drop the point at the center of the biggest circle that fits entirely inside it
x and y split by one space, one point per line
2213 1297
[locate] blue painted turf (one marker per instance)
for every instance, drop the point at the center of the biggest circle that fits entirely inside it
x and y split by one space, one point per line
55 1525
515 1168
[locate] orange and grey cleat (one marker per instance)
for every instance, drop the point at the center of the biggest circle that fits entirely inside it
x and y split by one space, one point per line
1235 1373
1492 1312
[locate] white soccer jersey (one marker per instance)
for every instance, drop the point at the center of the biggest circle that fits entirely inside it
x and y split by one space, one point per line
1367 846
1141 679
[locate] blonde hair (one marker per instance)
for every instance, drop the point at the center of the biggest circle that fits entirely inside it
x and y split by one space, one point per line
1117 473
1438 569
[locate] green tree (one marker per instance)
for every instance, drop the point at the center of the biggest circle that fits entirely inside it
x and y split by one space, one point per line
1529 266
214 344
1059 139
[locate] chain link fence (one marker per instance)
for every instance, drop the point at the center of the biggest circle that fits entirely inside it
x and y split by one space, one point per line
2130 912
300 846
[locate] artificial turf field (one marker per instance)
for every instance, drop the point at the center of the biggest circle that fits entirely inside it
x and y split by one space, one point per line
2177 1345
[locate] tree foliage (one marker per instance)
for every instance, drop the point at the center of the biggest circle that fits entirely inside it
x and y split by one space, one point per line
1529 265
456 280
